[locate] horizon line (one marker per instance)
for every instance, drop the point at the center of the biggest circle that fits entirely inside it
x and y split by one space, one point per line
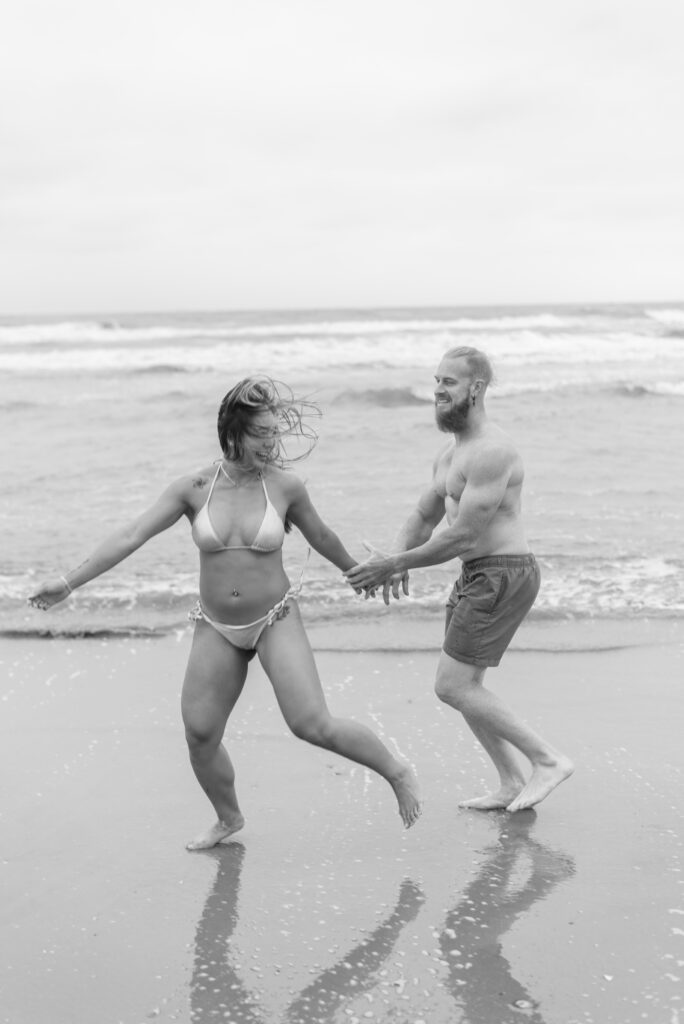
218 310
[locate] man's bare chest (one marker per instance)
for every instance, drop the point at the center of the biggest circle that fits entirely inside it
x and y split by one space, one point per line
451 478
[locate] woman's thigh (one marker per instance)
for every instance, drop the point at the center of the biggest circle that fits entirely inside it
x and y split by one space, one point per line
287 659
214 680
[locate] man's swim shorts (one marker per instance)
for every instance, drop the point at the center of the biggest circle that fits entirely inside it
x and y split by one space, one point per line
489 601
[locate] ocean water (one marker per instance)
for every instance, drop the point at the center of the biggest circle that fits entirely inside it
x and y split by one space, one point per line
99 414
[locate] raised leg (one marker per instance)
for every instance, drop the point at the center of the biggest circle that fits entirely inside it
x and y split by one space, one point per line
288 661
214 679
460 686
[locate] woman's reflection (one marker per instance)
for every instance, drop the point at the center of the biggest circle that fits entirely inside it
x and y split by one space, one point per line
216 990
517 872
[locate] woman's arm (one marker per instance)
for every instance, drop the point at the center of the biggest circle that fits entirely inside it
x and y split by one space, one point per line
304 516
166 511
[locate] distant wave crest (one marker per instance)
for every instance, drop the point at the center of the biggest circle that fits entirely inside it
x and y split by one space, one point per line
108 332
673 317
673 389
385 397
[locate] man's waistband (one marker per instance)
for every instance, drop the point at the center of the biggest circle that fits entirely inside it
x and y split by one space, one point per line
504 561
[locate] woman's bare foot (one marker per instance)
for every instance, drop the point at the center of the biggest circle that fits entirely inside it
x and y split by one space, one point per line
544 779
216 833
405 786
494 801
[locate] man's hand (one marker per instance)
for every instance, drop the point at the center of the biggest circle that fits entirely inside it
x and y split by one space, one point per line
376 571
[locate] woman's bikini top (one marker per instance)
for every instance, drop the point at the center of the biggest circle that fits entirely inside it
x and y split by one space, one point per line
270 536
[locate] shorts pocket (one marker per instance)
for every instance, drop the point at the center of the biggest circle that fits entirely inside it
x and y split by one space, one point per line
484 590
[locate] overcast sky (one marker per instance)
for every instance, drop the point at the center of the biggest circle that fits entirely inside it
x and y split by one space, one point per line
216 154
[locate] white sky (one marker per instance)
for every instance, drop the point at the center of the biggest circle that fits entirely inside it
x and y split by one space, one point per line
216 154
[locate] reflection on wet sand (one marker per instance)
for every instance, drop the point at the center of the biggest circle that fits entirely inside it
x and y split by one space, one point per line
517 872
217 991
357 973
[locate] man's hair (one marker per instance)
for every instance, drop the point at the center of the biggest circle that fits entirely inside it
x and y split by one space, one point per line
478 363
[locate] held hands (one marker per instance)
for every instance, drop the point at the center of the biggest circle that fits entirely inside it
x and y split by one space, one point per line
50 592
376 571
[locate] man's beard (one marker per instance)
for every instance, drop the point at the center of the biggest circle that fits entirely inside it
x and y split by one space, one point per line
454 419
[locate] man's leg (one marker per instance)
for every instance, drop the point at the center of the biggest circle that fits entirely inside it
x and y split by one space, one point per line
460 686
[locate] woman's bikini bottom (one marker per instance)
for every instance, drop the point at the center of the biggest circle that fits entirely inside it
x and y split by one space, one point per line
246 637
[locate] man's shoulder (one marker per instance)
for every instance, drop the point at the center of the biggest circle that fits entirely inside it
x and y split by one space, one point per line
494 455
495 442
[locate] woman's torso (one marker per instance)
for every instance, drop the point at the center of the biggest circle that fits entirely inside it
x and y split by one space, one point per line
227 521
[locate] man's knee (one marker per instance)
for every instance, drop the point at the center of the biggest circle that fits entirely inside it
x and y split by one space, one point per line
448 692
455 681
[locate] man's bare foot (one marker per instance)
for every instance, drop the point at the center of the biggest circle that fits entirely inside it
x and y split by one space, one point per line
494 801
543 781
405 786
214 835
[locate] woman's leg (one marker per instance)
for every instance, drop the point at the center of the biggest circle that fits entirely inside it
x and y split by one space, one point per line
214 679
285 654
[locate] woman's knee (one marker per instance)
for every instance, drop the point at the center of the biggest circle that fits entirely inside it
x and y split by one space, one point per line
202 737
314 728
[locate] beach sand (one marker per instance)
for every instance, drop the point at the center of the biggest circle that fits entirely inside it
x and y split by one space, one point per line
324 909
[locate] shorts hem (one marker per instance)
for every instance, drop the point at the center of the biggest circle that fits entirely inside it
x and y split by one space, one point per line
469 659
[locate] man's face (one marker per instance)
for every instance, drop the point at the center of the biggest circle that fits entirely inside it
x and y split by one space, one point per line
452 395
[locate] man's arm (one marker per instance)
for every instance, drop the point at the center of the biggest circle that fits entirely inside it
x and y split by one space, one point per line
419 526
417 529
482 496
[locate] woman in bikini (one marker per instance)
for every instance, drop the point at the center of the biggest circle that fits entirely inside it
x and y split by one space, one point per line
240 510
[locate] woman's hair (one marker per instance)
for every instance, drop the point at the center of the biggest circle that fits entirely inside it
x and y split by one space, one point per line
255 395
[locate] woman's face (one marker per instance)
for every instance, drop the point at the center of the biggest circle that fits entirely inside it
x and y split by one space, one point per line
261 441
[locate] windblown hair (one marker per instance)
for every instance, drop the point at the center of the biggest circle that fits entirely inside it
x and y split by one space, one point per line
254 395
478 363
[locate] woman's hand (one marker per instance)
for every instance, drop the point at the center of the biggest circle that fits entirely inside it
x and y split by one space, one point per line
50 592
377 571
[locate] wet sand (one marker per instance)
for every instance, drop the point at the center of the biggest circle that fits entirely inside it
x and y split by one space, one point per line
324 909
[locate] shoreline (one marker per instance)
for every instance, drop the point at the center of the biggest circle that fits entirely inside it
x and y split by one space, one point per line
407 633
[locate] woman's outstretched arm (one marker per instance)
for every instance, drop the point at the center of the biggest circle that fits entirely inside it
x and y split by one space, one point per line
166 511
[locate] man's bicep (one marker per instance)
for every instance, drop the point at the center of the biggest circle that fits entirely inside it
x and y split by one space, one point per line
484 490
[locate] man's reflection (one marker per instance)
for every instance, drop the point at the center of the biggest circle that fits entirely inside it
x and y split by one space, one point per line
217 991
517 872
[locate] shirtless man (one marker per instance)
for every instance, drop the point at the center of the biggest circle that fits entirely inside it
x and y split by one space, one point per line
477 482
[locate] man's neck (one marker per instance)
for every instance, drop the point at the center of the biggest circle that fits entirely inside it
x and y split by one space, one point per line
476 425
